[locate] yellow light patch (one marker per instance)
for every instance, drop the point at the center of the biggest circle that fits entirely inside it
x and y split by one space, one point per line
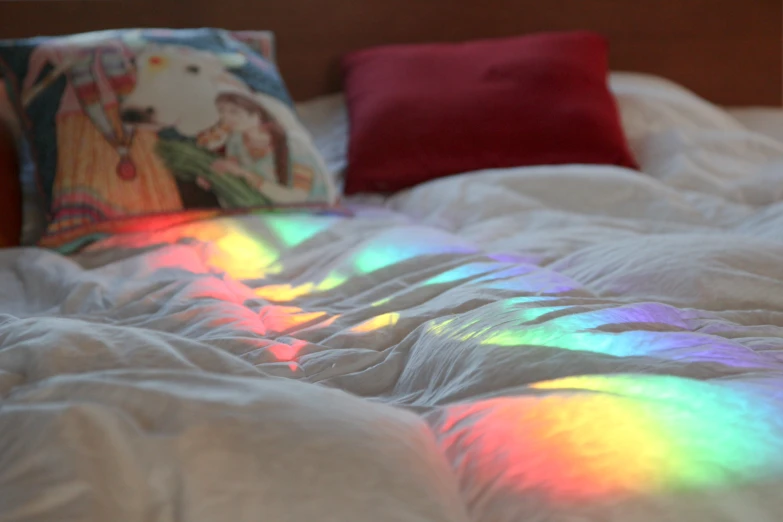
377 322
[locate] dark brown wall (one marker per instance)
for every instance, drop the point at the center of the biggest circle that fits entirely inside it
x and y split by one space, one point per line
730 51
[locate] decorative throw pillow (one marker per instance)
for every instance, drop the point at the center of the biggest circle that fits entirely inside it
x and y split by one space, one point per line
419 112
154 121
262 42
10 191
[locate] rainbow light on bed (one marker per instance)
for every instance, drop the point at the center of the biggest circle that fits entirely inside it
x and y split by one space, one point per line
288 352
243 256
612 331
529 315
516 259
283 319
377 254
237 246
295 229
461 272
528 279
333 280
403 244
606 437
282 293
621 344
228 246
377 322
524 278
454 329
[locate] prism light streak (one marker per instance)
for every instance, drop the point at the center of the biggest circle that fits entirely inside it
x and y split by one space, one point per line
288 352
243 256
611 331
283 293
371 257
284 319
607 437
295 229
402 244
377 256
674 345
461 273
377 322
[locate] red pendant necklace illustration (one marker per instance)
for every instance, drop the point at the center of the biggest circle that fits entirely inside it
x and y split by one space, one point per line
83 71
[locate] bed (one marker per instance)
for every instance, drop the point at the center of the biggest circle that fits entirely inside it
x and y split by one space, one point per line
554 343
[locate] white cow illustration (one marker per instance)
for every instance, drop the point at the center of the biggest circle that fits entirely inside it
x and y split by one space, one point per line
177 86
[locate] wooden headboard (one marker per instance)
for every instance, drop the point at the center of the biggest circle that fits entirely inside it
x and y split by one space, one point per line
729 51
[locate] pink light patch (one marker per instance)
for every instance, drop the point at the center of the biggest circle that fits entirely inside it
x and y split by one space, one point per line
287 352
282 319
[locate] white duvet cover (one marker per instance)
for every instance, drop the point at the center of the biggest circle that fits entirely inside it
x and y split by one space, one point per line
575 343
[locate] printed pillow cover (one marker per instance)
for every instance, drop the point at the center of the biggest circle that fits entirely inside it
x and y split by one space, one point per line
144 122
262 42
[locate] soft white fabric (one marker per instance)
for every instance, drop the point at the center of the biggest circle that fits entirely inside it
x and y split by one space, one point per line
764 120
573 343
326 117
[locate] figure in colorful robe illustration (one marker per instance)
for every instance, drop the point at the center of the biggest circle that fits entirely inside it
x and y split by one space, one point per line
91 78
132 112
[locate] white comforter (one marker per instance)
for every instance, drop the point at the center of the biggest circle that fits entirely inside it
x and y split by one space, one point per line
563 343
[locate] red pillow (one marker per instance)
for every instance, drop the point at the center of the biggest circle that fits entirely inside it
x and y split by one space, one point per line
419 112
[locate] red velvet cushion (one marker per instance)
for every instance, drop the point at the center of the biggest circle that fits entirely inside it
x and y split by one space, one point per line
10 191
419 112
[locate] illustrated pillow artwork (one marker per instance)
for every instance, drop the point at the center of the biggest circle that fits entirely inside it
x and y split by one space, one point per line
139 122
262 42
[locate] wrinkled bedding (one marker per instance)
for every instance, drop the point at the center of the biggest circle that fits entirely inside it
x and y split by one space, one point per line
574 343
